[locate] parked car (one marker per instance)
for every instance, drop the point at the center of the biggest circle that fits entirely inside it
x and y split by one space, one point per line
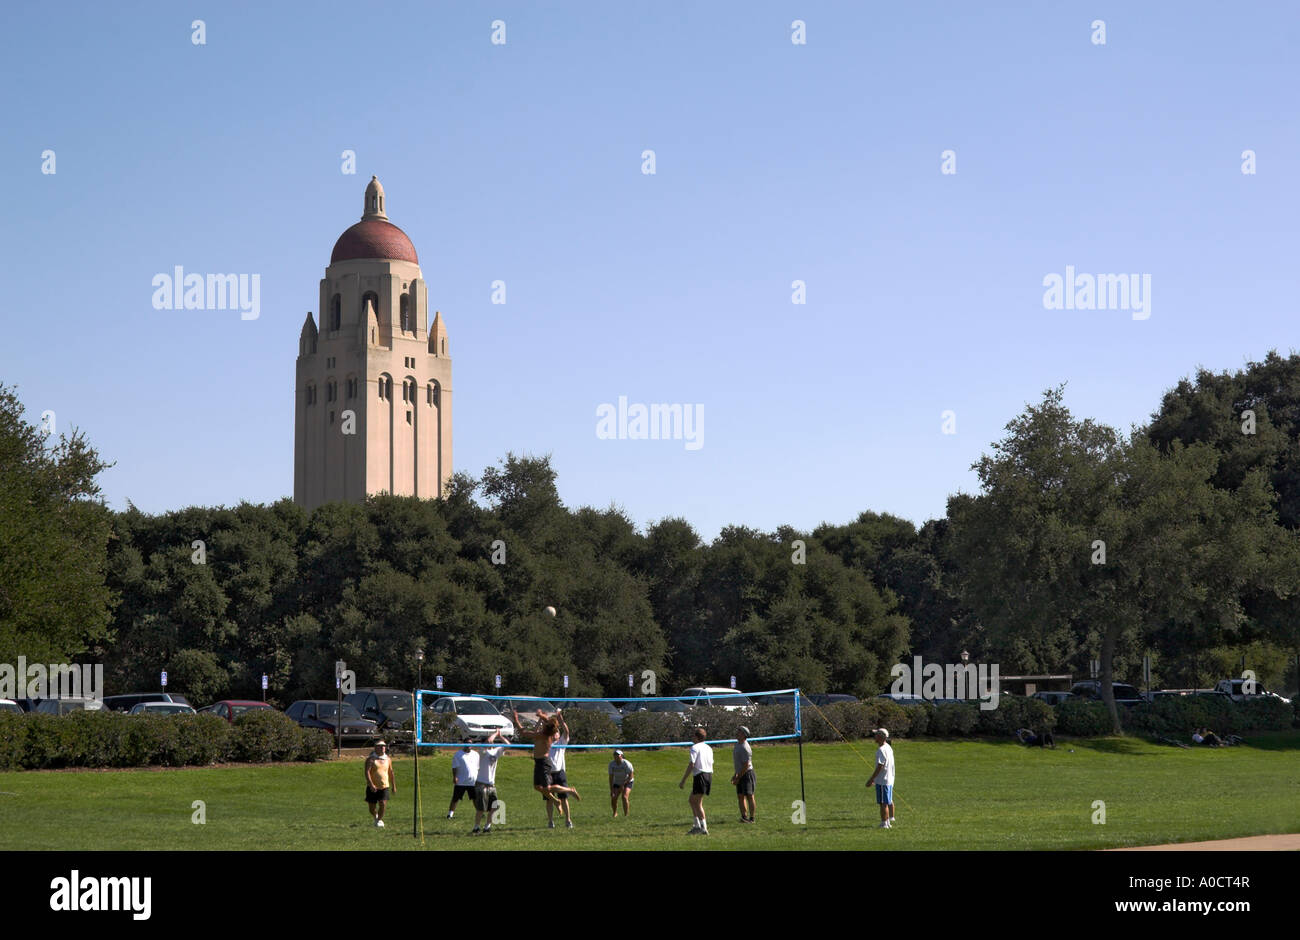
475 717
9 705
1053 698
1125 694
605 708
232 708
656 705
63 706
324 714
162 708
738 702
124 703
1235 689
776 698
526 707
902 698
822 699
388 708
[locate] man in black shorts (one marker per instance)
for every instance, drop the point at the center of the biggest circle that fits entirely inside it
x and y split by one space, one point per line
464 774
700 768
742 758
380 782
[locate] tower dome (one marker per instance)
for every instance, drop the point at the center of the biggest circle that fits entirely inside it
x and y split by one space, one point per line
374 237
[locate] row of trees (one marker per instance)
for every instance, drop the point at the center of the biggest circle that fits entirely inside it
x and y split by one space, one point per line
1179 538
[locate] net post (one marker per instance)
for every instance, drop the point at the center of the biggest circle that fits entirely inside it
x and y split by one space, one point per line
798 728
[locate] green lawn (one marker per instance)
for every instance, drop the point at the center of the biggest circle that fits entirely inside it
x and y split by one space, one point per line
950 795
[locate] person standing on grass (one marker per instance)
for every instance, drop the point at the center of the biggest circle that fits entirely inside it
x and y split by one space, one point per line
742 758
885 771
380 782
700 767
485 786
620 783
464 773
559 779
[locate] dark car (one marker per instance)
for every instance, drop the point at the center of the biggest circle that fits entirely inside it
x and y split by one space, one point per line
822 699
656 705
232 708
124 703
1090 689
605 708
324 714
388 708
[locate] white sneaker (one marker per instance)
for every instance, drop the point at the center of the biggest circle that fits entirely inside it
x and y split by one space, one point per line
379 824
884 825
568 824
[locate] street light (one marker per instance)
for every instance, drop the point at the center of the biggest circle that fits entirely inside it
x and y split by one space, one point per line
415 742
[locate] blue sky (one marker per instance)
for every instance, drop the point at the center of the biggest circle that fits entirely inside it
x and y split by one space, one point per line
774 162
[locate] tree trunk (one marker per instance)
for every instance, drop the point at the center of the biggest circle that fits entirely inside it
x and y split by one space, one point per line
1108 644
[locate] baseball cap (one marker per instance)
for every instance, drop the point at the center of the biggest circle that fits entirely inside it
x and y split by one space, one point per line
884 732
618 753
381 744
743 730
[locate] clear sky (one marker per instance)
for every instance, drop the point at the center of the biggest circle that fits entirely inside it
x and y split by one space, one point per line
775 162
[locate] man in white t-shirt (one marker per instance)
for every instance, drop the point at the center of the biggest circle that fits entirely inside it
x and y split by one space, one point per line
885 771
464 771
485 785
700 767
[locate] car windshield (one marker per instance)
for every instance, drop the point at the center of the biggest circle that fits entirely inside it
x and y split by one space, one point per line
480 707
165 709
395 702
237 710
731 699
672 706
330 710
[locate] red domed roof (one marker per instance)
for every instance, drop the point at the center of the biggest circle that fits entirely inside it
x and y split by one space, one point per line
374 238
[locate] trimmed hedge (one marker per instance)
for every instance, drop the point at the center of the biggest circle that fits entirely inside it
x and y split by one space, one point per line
114 739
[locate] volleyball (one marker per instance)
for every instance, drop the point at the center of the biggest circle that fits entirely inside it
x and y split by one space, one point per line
550 611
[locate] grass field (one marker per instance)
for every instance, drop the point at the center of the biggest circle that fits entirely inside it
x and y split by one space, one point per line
949 795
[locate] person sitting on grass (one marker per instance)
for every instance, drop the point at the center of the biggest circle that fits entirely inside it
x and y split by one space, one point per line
1206 737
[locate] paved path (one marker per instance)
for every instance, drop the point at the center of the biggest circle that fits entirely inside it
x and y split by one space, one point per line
1279 843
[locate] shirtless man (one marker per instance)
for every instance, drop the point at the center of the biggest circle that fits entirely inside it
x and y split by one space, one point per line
380 782
544 735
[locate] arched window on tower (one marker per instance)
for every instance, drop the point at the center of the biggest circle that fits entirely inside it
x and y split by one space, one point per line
336 313
407 325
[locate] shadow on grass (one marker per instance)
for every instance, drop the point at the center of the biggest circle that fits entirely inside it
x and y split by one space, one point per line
1275 740
1131 745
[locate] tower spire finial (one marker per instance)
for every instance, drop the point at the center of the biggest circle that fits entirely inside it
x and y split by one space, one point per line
374 207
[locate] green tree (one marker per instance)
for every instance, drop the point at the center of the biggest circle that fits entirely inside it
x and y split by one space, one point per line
54 530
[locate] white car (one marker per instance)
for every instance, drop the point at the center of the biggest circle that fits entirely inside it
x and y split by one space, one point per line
738 703
475 717
162 708
9 705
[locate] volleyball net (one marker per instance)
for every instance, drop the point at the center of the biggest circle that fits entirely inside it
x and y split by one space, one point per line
476 716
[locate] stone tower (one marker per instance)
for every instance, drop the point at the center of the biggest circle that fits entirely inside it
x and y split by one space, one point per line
372 407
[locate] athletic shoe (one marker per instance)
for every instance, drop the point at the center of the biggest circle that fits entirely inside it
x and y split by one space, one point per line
487 831
884 825
568 824
379 824
476 831
551 824
693 831
374 822
451 815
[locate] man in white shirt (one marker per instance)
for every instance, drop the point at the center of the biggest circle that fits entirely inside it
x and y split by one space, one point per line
885 771
464 771
485 785
700 767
